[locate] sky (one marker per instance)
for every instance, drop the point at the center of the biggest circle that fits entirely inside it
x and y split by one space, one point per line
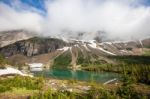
78 19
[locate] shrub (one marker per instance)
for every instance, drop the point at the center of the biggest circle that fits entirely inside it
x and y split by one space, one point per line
4 88
126 91
100 93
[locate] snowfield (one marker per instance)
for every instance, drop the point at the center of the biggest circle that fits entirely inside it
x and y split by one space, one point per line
64 48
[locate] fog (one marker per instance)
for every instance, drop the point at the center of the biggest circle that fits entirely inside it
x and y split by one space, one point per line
80 19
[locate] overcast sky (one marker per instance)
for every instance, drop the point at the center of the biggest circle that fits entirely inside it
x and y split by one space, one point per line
119 19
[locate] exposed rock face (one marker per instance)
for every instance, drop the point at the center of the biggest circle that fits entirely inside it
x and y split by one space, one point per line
9 37
33 46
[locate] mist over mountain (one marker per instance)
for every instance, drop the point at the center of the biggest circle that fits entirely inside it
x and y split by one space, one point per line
79 19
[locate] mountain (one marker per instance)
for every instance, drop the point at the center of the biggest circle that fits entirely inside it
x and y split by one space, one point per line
58 53
9 37
33 46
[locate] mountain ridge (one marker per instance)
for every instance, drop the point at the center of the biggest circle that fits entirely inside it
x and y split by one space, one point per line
50 51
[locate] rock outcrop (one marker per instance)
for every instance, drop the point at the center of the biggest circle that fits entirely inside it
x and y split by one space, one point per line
33 46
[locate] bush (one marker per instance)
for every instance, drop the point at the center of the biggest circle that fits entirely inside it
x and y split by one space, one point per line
4 88
137 73
126 91
100 93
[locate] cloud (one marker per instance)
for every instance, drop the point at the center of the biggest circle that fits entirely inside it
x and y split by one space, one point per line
82 19
11 19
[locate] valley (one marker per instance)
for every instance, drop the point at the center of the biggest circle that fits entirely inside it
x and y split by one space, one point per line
74 49
73 69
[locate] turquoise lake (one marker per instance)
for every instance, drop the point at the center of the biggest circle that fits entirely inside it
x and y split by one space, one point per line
77 75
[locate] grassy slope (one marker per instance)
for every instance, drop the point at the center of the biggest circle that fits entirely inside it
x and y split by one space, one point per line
62 61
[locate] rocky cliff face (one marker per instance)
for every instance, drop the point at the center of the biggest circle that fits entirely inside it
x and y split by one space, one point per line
33 46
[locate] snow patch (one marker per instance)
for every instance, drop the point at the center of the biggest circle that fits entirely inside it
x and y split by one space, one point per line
92 44
36 69
76 45
106 51
124 51
64 48
10 70
36 65
109 43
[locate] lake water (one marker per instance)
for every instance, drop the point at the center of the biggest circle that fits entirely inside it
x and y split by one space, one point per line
77 75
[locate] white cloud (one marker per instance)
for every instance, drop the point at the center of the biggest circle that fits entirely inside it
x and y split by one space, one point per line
126 19
11 19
